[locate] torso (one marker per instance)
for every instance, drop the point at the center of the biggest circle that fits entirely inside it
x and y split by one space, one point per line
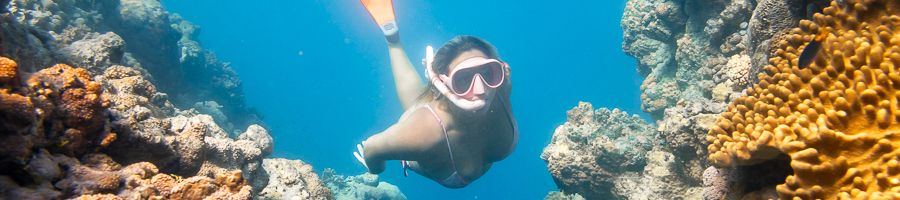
475 144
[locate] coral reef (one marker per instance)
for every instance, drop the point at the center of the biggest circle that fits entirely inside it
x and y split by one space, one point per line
184 143
364 186
671 40
135 33
60 114
554 195
697 56
292 179
594 147
657 180
835 120
122 134
60 107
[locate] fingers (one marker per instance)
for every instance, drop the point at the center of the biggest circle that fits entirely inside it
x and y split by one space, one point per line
360 155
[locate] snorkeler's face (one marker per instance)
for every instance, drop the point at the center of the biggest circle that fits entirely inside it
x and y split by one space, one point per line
479 89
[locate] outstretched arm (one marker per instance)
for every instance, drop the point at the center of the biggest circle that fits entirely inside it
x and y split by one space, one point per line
406 78
412 139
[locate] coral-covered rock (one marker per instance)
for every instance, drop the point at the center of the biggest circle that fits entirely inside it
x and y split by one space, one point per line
184 143
74 94
671 39
719 183
695 57
98 176
96 52
363 186
70 95
290 179
835 120
770 19
257 134
659 180
594 147
562 196
8 70
60 108
136 33
57 129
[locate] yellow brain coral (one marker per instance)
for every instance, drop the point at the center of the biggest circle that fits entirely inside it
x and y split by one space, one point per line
837 119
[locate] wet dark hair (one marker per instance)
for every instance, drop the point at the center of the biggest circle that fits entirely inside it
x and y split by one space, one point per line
450 51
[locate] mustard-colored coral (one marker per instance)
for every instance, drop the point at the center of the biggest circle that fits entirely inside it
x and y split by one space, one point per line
8 69
837 119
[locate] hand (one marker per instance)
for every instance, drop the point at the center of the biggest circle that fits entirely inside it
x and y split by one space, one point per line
360 155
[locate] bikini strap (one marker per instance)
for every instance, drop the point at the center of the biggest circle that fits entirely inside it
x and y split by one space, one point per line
446 136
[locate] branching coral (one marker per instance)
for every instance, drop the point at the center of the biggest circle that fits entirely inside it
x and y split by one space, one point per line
836 119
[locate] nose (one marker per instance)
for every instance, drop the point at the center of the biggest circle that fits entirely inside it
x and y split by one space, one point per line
478 88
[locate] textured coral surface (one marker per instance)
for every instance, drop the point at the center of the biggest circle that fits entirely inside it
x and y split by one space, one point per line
836 119
595 148
8 69
60 115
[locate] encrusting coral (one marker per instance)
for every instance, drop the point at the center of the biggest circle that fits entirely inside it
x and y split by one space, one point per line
53 131
8 70
836 119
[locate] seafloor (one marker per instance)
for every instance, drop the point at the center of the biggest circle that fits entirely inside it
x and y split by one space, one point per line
95 103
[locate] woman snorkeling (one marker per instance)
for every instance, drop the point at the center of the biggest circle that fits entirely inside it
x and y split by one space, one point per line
458 124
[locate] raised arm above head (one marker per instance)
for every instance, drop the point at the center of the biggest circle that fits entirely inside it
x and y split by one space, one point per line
407 81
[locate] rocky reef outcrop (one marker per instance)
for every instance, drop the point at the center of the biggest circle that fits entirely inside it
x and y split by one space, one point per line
136 33
607 154
57 130
363 186
114 99
695 57
291 179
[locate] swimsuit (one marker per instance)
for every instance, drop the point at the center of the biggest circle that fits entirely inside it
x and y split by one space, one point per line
455 180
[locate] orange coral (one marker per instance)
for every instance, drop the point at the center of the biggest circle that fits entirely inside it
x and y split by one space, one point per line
73 103
837 119
16 111
8 70
81 99
99 177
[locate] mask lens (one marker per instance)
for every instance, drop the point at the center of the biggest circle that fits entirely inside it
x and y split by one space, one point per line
462 80
492 73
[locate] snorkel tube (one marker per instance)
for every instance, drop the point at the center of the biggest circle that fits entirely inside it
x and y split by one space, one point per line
435 78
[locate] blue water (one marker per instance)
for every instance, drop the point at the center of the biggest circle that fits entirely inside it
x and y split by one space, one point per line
319 73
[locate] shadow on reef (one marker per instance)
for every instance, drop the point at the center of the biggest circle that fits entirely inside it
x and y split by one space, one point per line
761 178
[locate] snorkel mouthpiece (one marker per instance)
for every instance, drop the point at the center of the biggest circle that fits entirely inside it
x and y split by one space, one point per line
436 80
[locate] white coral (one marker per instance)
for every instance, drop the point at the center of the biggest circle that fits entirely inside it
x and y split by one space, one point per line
737 70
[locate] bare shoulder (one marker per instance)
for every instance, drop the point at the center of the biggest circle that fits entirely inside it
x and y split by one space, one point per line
420 130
